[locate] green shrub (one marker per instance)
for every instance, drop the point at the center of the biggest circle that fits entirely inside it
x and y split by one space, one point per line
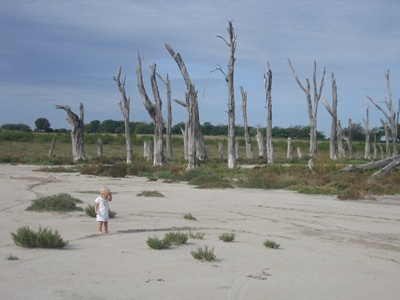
43 238
203 254
89 210
156 243
11 257
271 244
150 194
196 236
176 238
57 203
188 217
227 237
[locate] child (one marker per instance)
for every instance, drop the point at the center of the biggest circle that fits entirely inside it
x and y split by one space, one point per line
101 209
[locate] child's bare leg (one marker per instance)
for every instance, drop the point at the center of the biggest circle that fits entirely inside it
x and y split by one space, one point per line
106 227
100 227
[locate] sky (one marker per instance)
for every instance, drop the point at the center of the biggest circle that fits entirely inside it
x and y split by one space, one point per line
55 52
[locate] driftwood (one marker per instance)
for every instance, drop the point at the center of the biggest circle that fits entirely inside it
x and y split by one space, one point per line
383 163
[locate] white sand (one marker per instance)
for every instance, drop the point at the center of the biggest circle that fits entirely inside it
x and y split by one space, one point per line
330 249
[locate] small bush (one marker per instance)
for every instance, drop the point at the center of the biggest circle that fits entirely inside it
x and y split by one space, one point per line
11 257
227 237
271 244
196 236
89 210
189 216
203 254
156 243
150 194
43 238
176 238
57 203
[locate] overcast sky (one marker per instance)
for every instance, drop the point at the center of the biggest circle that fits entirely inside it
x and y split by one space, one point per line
67 52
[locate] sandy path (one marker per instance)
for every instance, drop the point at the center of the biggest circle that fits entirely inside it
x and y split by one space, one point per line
329 249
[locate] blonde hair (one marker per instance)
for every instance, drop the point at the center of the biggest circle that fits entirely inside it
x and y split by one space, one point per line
105 189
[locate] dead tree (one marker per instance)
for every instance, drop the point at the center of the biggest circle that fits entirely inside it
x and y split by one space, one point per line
229 77
311 109
100 152
289 153
349 139
367 152
77 133
249 152
334 124
124 105
391 115
387 137
388 164
154 110
168 125
53 145
261 143
340 139
192 126
268 98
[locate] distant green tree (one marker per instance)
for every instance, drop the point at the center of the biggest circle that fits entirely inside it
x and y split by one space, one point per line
357 132
93 127
43 125
16 127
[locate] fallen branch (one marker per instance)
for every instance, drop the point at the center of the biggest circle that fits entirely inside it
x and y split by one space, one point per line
373 165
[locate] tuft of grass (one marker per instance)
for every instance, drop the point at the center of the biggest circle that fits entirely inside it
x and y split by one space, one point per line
196 236
57 203
156 243
89 210
176 238
271 244
227 237
43 238
150 194
57 169
189 216
203 254
11 257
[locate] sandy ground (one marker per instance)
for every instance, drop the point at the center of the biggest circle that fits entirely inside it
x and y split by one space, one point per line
330 249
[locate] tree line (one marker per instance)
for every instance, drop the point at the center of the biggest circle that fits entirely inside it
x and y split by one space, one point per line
208 129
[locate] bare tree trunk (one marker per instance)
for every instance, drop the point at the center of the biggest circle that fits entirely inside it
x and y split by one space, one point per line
53 145
375 147
261 143
339 134
193 115
249 152
124 105
168 126
268 96
231 44
148 150
220 150
185 142
237 152
100 152
371 165
77 133
350 140
299 154
367 153
333 112
312 110
391 115
154 111
289 154
387 137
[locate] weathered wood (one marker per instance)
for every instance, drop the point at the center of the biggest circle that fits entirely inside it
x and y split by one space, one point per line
268 99
220 150
312 107
289 152
391 115
154 110
124 105
261 143
100 152
387 137
367 152
231 44
78 130
371 165
148 150
299 153
340 138
394 164
349 139
334 123
249 152
53 145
